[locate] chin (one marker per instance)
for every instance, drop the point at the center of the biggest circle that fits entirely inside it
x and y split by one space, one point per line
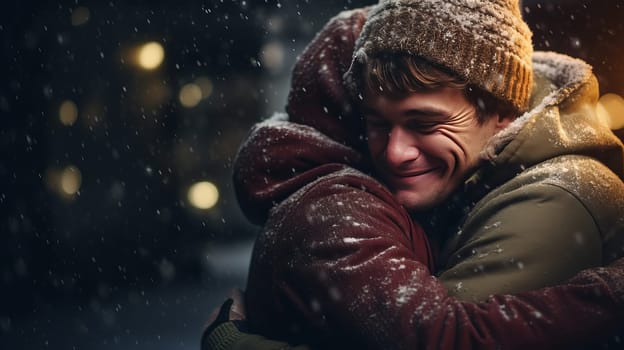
416 203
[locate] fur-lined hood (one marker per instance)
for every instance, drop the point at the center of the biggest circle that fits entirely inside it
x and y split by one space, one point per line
562 120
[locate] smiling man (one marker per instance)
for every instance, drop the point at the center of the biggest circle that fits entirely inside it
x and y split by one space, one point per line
493 149
424 144
445 146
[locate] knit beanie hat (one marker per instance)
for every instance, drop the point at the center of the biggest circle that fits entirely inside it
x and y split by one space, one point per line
484 41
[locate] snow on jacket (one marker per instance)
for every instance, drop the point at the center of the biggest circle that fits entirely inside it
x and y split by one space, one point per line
339 260
340 264
549 200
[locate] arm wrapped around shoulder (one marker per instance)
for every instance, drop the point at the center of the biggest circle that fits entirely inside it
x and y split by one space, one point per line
340 263
280 157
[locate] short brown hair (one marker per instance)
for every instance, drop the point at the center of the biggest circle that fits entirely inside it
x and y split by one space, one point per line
399 74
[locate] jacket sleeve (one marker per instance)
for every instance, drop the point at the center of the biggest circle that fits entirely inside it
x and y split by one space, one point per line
535 236
279 157
228 336
368 285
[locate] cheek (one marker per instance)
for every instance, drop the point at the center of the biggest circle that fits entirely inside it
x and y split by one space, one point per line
478 140
439 143
454 141
448 149
462 149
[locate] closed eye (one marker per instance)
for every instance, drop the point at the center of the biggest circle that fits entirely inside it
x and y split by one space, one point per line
420 126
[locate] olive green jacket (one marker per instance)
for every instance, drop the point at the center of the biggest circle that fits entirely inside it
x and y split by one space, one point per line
549 200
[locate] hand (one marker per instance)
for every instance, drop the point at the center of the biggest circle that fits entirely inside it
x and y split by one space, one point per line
234 306
233 309
237 311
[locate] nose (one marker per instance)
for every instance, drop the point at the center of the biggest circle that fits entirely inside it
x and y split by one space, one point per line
402 147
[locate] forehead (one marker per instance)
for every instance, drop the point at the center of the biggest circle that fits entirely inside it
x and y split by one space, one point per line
442 100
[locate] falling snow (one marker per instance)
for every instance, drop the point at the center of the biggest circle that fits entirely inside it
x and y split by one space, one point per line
104 136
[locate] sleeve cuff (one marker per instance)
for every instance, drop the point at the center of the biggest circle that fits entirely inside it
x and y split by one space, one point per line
222 337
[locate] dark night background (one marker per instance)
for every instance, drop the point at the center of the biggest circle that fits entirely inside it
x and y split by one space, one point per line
100 246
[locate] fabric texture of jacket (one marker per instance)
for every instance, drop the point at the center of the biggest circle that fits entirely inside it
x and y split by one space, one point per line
549 200
340 262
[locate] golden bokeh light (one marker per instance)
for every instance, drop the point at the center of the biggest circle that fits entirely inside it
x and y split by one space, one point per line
272 56
190 95
71 179
150 55
80 15
610 110
203 195
68 113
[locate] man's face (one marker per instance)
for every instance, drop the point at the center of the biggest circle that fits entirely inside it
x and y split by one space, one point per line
424 145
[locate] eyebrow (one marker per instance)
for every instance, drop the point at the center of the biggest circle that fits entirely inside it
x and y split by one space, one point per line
426 112
417 112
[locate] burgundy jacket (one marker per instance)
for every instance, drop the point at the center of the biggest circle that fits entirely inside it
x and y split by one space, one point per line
341 263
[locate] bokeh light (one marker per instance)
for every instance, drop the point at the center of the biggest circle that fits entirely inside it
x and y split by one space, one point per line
610 110
272 56
68 112
203 195
150 55
190 95
71 179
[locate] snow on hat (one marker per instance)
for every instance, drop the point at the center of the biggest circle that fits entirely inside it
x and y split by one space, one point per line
484 41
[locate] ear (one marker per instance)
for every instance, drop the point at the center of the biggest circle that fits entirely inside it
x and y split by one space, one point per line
503 120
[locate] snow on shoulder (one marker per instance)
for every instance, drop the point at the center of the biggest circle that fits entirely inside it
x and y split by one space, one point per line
565 73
